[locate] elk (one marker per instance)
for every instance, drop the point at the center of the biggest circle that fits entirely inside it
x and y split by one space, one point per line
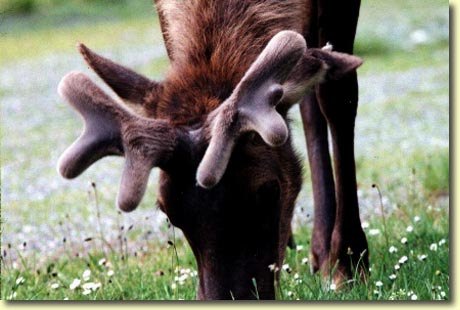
217 128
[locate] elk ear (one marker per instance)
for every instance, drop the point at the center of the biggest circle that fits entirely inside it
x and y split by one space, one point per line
339 64
126 83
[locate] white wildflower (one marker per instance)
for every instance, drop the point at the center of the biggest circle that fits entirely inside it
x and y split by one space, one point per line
173 286
433 247
287 268
404 240
397 267
393 249
102 262
410 229
20 280
417 218
54 286
304 260
273 267
332 287
374 232
181 279
75 283
392 276
86 292
296 276
414 297
365 225
299 248
290 294
441 242
12 296
379 283
86 275
91 286
110 273
403 259
443 294
422 257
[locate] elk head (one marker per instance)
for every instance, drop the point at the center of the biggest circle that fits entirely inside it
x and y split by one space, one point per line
229 183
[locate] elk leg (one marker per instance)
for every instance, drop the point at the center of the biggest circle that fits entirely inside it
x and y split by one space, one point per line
315 128
349 251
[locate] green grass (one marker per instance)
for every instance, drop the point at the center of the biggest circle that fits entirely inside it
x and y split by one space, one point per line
152 272
401 147
61 25
17 46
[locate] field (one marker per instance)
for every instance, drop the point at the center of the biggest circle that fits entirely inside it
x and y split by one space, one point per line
66 240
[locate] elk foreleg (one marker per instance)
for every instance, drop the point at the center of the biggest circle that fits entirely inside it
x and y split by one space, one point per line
315 127
349 250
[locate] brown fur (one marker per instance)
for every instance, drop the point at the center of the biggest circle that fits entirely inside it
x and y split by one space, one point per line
223 106
212 44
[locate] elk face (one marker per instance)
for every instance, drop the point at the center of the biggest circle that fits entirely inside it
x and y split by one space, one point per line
230 185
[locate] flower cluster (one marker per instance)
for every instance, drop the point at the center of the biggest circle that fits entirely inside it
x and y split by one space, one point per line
411 258
87 287
183 275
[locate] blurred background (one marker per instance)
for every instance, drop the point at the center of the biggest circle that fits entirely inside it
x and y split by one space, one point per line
402 129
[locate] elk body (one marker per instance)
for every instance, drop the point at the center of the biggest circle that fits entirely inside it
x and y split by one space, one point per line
217 128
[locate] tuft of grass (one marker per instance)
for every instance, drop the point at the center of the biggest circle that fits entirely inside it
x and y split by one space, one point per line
146 275
434 170
14 7
400 270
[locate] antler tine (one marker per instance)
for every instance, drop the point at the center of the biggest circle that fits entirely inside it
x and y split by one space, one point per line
252 106
126 83
101 135
110 129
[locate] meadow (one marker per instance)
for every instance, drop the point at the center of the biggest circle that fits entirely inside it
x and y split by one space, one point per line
66 240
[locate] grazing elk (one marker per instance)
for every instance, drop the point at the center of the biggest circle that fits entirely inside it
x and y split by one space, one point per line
217 128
